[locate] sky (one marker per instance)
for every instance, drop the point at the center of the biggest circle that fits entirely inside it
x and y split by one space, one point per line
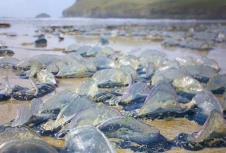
31 8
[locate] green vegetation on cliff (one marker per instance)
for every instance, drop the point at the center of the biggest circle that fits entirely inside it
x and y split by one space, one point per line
180 9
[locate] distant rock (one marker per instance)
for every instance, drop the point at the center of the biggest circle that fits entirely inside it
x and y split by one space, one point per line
41 41
5 25
43 15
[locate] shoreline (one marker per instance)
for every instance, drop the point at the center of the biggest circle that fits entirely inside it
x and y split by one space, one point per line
106 22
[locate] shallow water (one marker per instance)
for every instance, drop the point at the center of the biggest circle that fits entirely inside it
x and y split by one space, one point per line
25 31
23 47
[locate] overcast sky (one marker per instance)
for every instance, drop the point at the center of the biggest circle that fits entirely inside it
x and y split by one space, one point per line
30 8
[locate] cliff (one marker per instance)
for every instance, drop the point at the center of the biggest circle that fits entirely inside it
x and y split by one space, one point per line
175 9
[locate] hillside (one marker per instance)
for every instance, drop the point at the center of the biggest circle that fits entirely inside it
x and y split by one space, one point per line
177 9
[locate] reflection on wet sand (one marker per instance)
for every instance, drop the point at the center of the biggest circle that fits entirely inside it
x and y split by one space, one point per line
54 142
70 84
170 128
217 150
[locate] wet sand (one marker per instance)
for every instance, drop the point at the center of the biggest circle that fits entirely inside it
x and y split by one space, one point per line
169 128
9 110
